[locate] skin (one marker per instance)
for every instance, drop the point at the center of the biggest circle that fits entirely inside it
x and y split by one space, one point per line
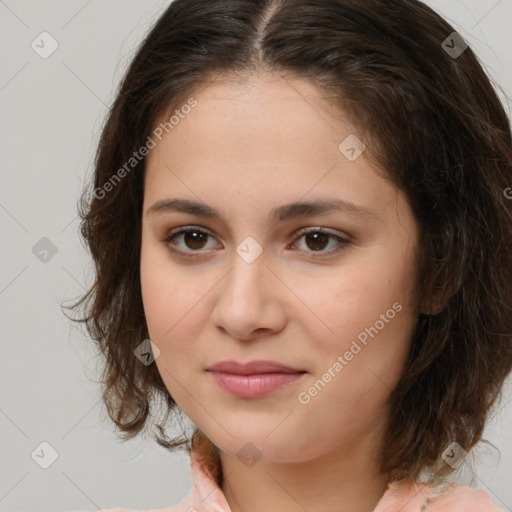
246 148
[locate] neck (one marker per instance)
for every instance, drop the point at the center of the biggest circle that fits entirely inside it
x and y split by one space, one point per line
339 480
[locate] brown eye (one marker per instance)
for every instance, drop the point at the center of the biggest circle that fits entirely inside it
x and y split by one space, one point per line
195 239
317 241
188 241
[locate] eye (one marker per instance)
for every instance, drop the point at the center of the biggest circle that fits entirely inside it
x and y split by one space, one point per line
192 237
317 239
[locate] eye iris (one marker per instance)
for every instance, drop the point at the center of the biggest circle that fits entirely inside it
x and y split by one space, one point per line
194 239
317 239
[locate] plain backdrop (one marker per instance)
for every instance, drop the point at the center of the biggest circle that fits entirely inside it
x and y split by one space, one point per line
51 112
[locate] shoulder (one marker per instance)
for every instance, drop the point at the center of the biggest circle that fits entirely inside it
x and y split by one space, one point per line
460 497
184 506
180 507
444 498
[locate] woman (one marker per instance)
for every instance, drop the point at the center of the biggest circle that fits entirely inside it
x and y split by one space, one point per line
301 237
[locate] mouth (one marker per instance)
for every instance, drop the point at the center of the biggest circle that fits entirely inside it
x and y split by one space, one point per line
254 379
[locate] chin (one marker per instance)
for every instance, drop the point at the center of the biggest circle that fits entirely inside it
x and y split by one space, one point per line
255 444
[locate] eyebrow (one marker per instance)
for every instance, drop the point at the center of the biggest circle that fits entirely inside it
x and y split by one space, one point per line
287 211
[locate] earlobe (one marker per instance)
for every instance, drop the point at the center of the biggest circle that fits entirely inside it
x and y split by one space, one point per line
436 303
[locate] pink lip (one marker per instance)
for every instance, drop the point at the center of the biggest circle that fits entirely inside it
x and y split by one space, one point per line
252 367
253 379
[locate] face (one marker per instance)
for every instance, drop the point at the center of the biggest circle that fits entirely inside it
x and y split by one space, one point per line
324 290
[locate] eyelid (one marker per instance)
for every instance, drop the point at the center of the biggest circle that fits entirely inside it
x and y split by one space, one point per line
188 227
319 229
343 240
183 230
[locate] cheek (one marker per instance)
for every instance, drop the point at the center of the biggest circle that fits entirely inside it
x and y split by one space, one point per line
155 295
341 304
163 296
175 312
173 318
168 305
366 318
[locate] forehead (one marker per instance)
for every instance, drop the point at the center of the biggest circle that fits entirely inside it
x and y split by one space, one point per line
260 91
267 139
260 105
263 121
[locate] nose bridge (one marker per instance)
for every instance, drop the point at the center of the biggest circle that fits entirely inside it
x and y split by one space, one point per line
245 302
245 284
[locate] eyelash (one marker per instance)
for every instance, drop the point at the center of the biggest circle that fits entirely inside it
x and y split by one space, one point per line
306 231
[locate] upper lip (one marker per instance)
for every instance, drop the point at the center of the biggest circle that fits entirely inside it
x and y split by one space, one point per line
252 367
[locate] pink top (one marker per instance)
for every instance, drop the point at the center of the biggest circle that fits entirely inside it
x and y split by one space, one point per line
206 496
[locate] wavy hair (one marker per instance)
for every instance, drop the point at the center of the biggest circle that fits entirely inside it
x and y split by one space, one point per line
434 122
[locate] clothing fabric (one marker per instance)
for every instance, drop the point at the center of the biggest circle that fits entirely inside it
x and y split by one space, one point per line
206 496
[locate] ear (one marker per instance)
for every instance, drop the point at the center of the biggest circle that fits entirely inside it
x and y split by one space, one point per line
436 302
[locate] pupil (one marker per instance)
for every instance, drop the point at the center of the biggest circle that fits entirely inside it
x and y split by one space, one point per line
318 238
315 241
194 240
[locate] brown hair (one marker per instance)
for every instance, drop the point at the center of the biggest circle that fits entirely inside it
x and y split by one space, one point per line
432 120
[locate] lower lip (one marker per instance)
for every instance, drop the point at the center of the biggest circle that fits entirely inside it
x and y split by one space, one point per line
256 385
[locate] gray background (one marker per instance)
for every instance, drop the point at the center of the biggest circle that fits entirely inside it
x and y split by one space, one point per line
51 112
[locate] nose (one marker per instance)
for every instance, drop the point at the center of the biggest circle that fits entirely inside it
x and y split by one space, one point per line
248 304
